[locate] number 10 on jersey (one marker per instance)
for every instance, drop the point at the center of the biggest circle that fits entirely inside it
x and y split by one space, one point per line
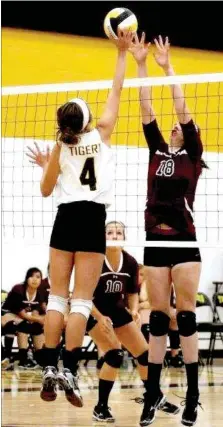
87 176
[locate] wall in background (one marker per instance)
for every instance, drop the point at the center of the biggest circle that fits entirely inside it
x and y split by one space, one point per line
188 24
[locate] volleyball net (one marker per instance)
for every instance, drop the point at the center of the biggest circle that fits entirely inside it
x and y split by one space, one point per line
29 114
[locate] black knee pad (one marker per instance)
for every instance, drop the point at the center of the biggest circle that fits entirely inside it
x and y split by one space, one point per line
159 323
36 329
100 363
143 358
114 358
24 327
174 339
186 321
10 328
145 331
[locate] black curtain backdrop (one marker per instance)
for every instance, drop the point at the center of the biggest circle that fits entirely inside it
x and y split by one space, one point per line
195 24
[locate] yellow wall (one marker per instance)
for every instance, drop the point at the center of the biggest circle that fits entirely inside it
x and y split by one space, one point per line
30 57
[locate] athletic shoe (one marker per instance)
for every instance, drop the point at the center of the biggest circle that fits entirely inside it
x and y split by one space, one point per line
49 384
151 404
69 383
189 416
7 364
169 408
165 406
103 413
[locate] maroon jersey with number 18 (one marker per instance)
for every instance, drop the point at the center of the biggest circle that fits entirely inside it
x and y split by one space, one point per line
172 178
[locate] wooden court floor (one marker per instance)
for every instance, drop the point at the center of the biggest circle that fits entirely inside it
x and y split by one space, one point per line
22 406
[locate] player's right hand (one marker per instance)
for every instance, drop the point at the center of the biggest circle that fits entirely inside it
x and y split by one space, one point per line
139 48
105 324
124 40
38 157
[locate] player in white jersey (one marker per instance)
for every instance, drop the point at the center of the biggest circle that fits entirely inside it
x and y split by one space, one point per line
81 168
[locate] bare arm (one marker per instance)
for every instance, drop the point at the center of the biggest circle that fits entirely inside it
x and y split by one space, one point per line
108 119
51 171
50 165
133 302
96 313
31 317
163 60
140 51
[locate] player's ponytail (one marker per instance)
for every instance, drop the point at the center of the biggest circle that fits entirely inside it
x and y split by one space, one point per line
70 120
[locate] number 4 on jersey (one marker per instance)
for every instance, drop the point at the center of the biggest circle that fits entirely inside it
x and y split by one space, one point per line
87 176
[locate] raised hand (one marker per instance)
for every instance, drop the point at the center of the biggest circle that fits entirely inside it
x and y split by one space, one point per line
162 52
124 40
38 157
139 48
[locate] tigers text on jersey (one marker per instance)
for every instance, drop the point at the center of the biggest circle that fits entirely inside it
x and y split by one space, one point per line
113 286
87 171
172 178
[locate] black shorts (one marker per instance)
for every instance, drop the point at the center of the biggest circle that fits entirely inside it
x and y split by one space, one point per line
30 328
119 317
79 226
168 257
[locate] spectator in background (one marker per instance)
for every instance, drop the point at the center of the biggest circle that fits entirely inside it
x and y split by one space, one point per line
23 312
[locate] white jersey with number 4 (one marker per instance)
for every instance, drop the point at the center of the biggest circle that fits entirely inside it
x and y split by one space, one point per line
87 171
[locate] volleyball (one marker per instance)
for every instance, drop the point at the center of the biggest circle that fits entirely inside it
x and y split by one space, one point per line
119 18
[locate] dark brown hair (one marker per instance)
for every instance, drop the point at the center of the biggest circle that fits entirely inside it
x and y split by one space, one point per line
202 162
70 123
30 272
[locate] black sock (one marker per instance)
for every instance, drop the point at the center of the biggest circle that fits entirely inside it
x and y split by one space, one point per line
174 339
23 356
8 346
71 359
146 385
192 378
104 391
153 381
38 356
50 356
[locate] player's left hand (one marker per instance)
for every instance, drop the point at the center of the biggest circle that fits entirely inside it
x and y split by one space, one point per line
162 52
38 157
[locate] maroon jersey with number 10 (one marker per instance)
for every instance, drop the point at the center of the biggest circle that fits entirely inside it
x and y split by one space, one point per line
172 178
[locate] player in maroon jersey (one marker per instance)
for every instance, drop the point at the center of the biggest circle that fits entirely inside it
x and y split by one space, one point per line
111 325
173 173
24 314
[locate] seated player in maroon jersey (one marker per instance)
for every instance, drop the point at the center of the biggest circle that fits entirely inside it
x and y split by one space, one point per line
111 325
23 314
173 173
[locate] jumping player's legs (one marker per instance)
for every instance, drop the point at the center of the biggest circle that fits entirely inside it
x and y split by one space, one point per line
158 281
61 265
186 280
88 266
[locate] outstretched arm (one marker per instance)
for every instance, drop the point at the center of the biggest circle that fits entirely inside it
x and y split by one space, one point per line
162 58
153 136
140 50
108 119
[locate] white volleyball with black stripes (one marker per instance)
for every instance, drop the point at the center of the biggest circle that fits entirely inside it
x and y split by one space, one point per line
119 18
